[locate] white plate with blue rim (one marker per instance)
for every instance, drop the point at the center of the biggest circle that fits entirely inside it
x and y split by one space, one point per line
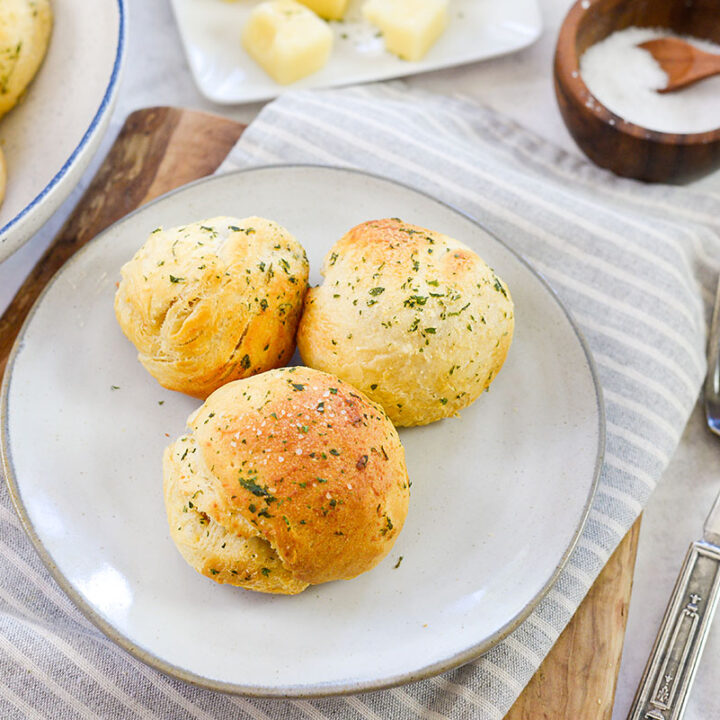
499 495
52 134
477 30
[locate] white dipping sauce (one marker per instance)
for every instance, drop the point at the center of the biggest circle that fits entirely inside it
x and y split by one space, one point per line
625 79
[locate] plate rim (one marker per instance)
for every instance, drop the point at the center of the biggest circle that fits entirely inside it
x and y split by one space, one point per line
280 90
317 690
25 215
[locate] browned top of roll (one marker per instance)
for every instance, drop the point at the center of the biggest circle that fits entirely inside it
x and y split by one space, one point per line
311 464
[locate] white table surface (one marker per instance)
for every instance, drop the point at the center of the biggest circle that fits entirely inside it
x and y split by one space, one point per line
519 85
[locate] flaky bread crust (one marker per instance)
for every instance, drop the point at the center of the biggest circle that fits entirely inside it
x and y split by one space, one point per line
287 479
213 301
25 27
412 317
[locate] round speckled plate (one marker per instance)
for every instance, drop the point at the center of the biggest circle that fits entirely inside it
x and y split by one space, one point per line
51 136
499 495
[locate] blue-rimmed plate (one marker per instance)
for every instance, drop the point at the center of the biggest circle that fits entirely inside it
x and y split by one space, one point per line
50 137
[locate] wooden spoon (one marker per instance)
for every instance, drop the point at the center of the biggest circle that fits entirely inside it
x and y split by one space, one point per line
683 63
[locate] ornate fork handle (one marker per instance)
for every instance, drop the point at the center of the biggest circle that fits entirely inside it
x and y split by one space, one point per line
671 668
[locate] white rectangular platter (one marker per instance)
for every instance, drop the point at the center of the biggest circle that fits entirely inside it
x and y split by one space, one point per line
225 73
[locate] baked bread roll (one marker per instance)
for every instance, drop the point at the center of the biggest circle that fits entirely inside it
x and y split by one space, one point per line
213 301
287 479
25 27
413 318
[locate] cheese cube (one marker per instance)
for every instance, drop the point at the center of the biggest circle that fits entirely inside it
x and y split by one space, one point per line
410 27
287 40
328 9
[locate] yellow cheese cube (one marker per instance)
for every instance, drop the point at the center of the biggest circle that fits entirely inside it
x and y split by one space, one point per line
410 27
287 40
328 9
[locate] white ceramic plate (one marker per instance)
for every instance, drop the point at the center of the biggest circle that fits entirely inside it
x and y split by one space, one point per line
225 73
498 496
50 137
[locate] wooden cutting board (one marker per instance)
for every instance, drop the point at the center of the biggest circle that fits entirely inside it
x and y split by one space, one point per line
159 149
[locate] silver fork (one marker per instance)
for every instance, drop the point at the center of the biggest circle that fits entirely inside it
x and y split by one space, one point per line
674 659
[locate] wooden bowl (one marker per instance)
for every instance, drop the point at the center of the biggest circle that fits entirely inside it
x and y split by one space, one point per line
608 140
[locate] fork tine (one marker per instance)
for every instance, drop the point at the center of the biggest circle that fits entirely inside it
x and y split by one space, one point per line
711 390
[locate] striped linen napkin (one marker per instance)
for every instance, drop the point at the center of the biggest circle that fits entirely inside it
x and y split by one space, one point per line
635 264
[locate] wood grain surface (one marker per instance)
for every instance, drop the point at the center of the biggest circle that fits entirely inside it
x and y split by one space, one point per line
160 149
577 680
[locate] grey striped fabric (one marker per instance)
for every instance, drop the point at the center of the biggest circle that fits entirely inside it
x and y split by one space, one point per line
636 265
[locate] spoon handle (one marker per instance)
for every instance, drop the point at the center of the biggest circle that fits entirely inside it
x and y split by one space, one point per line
673 662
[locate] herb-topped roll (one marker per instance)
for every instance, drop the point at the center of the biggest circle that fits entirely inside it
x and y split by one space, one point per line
213 301
25 27
287 479
413 318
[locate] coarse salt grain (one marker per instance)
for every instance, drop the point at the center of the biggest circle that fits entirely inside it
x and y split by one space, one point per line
625 79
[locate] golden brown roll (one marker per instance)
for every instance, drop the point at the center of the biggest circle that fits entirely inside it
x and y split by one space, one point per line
213 301
287 479
25 27
413 318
